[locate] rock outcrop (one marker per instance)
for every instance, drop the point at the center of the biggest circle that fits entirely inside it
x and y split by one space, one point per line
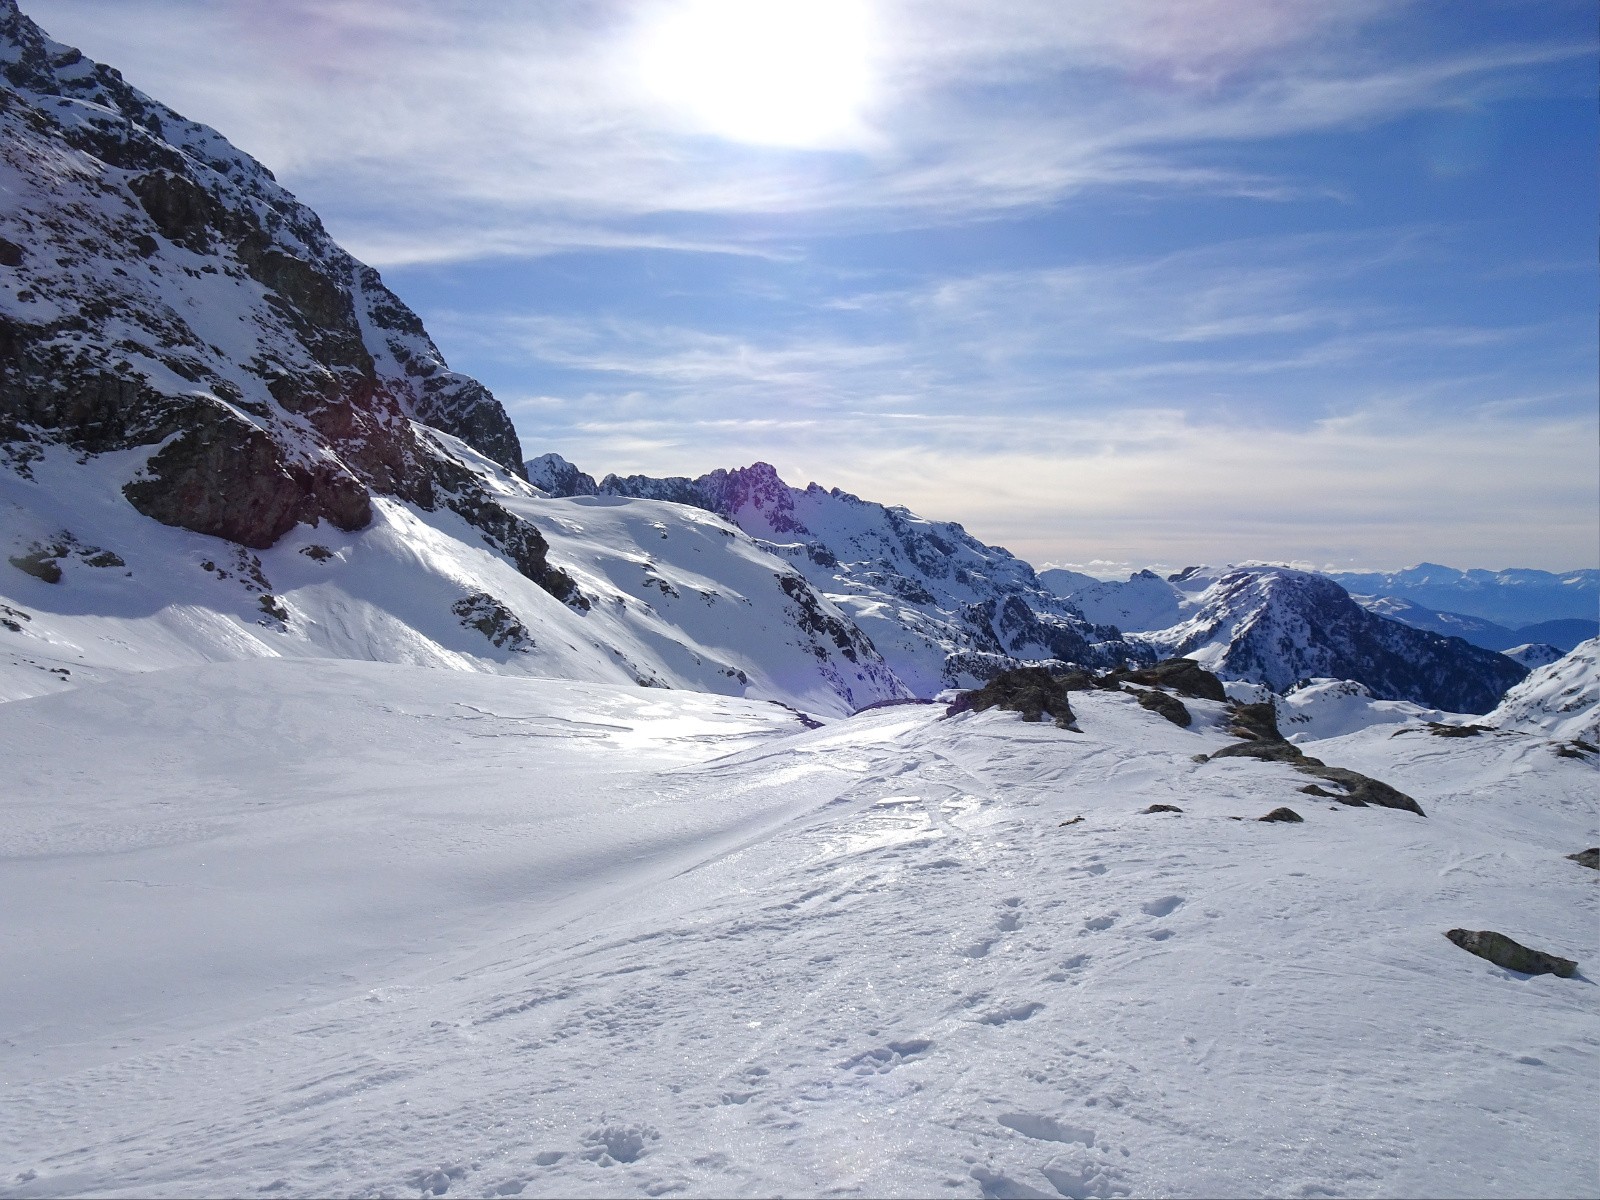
165 294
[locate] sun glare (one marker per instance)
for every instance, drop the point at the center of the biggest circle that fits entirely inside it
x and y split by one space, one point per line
771 72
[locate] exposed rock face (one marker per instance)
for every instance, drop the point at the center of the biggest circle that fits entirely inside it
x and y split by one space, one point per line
944 609
166 292
1587 858
1512 955
494 620
1183 675
1031 691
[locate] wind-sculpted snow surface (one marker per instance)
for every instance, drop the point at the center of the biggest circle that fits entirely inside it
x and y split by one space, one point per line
301 928
944 609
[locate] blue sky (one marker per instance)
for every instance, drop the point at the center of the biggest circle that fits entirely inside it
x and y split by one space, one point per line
1112 281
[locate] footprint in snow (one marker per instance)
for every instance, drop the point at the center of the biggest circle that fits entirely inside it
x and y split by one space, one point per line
1097 924
618 1143
1042 1128
1163 906
1010 1013
885 1058
435 1181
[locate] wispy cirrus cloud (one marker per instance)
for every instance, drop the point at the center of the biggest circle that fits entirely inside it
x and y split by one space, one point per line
409 122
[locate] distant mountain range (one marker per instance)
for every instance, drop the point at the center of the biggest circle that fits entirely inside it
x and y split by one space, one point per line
1514 599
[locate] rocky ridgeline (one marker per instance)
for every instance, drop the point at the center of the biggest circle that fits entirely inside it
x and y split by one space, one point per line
945 609
159 289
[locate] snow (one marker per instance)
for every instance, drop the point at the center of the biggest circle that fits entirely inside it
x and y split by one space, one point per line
1144 601
310 927
1561 700
679 598
1533 654
1325 708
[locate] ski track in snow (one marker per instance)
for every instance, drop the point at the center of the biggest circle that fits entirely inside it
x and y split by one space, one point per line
867 959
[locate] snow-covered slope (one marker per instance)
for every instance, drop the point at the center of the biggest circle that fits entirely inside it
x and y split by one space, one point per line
1476 630
1143 601
1533 654
1324 708
308 928
671 597
1561 700
943 608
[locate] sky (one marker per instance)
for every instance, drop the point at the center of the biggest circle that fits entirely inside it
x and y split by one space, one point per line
1111 282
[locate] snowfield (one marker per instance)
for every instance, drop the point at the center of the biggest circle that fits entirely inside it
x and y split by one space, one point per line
296 926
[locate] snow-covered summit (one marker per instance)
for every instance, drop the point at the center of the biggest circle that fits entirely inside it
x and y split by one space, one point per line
1280 626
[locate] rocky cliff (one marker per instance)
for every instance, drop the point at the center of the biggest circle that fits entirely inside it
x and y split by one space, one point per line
161 293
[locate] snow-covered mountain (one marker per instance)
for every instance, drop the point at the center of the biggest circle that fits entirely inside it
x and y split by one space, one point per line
1278 626
222 437
1564 633
1560 700
944 609
1512 598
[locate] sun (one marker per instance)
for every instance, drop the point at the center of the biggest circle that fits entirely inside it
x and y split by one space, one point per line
770 72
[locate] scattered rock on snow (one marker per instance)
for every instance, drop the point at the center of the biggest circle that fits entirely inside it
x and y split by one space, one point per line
1587 858
1512 955
1282 814
1160 808
1440 729
1258 725
495 621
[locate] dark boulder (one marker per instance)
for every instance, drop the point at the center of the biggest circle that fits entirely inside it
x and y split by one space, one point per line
1512 955
1031 691
1587 858
1182 675
1256 721
1362 790
1161 808
1282 814
1167 706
